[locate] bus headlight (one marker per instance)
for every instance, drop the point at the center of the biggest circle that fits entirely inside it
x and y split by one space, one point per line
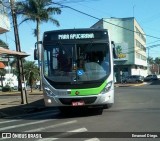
48 91
107 87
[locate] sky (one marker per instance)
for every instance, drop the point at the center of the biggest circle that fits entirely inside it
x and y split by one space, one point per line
146 12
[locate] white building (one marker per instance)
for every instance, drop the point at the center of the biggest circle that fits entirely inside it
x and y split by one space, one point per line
4 22
4 19
130 43
11 80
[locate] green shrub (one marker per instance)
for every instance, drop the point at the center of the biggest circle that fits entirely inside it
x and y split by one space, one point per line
6 88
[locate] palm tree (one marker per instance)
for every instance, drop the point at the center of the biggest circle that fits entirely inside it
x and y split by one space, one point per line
3 44
3 71
30 70
37 11
2 74
31 73
150 60
157 60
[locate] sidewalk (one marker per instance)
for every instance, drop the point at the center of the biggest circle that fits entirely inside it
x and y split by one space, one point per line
129 84
10 103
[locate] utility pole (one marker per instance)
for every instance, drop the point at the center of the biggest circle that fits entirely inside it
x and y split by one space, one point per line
21 80
148 63
133 9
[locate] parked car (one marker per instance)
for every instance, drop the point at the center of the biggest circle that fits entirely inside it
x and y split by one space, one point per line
15 88
37 85
151 77
133 79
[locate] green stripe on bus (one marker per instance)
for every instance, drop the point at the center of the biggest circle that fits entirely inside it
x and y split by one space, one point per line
88 91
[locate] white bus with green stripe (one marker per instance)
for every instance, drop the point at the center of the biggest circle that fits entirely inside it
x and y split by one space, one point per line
77 68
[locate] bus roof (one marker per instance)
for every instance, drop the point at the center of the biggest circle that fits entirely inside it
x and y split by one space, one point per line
77 30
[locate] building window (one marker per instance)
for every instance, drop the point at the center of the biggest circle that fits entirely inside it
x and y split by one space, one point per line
140 34
3 10
138 44
140 56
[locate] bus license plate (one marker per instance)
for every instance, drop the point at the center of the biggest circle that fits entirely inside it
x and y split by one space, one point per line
78 103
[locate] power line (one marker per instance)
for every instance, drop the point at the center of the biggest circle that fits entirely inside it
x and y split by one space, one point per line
152 46
153 42
74 1
64 6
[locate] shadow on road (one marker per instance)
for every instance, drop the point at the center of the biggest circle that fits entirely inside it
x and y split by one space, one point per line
155 82
35 110
81 112
11 110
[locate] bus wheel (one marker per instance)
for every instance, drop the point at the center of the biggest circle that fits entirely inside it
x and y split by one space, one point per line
107 106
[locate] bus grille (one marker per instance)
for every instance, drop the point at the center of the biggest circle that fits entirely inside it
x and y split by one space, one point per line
68 101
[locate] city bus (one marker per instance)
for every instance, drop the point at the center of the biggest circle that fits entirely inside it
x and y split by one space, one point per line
76 68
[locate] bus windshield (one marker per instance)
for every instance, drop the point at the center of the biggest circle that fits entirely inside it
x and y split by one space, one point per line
76 62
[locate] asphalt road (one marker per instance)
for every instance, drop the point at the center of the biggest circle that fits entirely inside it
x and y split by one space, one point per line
136 109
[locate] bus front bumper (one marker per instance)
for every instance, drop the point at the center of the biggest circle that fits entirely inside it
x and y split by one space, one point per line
92 100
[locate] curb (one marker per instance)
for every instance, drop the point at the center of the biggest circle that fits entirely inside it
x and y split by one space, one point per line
130 85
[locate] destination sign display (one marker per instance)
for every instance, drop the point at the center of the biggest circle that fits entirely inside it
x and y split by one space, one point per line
76 36
68 35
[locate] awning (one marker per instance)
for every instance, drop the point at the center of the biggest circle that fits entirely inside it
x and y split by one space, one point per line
8 52
2 66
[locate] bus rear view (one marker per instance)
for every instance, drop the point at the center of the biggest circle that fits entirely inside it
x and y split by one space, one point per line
77 68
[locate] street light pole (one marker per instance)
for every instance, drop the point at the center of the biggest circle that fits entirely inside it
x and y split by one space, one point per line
19 62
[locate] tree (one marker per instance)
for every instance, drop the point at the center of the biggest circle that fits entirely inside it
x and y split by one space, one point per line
2 71
37 11
31 79
3 44
157 60
150 60
2 74
30 70
13 64
31 73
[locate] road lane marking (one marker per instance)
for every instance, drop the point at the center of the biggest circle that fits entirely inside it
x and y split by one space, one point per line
92 139
63 135
46 139
79 130
52 126
2 122
42 114
24 124
30 114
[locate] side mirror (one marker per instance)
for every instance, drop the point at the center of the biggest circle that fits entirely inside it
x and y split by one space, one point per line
36 50
35 54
